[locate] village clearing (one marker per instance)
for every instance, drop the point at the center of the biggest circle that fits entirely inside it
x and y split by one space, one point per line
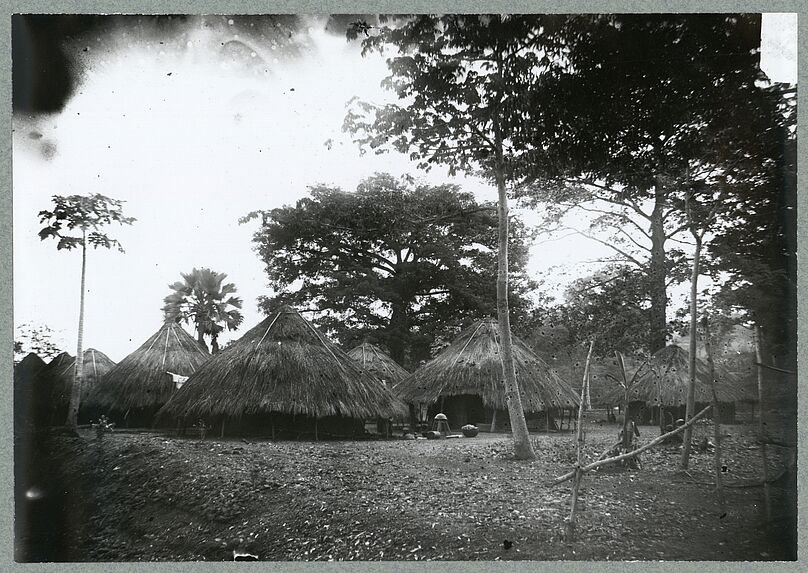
154 497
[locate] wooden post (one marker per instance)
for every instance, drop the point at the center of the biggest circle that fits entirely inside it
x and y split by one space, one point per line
579 450
719 483
624 375
761 436
222 435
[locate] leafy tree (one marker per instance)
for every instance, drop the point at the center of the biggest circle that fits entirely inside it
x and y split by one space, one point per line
757 249
38 339
86 216
650 102
396 262
462 83
203 298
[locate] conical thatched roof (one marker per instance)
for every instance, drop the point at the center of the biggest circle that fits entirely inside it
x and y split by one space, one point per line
373 359
96 365
472 365
140 380
665 379
27 369
47 377
282 365
60 360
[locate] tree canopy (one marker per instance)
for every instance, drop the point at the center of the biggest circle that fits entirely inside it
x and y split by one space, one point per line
203 298
654 107
396 261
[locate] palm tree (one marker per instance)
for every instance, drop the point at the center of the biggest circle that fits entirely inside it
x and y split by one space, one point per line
202 298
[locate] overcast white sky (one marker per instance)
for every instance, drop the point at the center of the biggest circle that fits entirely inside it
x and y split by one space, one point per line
190 153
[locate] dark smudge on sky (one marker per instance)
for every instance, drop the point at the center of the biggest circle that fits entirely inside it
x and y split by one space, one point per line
50 51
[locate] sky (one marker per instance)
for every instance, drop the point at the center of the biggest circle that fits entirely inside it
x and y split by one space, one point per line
193 131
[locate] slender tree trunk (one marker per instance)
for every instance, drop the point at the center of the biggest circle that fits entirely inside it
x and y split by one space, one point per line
579 449
719 482
523 450
200 337
658 273
691 367
214 343
761 434
75 390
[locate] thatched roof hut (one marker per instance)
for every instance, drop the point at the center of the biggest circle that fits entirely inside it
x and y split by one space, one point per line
472 365
34 391
26 400
373 359
282 365
664 380
96 365
26 369
140 381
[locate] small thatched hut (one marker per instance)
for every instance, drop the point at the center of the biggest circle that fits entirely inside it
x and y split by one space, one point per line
466 382
139 385
283 375
373 359
663 382
26 369
41 396
25 375
96 365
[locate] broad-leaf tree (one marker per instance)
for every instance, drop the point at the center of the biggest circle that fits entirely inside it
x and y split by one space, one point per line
637 102
204 299
77 221
462 83
394 261
35 338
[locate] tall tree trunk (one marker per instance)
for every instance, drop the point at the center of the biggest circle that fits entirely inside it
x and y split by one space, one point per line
523 450
214 343
691 367
658 272
397 333
200 338
72 421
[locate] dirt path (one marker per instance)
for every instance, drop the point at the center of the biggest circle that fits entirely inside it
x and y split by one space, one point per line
152 497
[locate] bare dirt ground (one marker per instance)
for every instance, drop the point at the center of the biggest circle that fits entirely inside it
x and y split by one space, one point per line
153 497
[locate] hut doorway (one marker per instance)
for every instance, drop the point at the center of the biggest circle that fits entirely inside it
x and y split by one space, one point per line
461 409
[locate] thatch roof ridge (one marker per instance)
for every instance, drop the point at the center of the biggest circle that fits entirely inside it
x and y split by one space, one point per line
376 361
140 379
666 377
283 364
472 364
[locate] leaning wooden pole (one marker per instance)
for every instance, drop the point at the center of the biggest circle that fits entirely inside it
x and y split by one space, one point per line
719 482
579 449
761 435
638 451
